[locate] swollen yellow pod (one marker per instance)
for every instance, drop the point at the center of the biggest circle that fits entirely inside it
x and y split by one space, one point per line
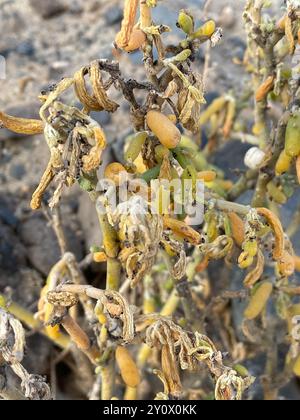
251 248
258 301
135 146
188 143
136 40
276 194
216 106
166 132
296 368
114 172
286 264
292 136
207 176
100 257
186 22
206 30
128 368
245 260
283 163
237 228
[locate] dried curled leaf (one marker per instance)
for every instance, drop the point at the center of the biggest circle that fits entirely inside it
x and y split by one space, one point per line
89 101
12 343
176 252
93 160
115 305
170 372
254 276
218 249
258 301
290 34
76 143
187 350
60 88
38 194
265 88
286 264
130 11
276 226
182 230
139 232
98 89
190 98
237 227
231 387
21 125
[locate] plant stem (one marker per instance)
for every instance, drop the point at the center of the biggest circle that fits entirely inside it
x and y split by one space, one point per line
80 338
107 379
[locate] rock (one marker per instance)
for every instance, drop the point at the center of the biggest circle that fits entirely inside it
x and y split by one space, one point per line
17 171
228 161
211 96
113 15
48 8
13 254
7 214
57 69
42 247
26 48
236 47
89 222
76 7
103 118
227 17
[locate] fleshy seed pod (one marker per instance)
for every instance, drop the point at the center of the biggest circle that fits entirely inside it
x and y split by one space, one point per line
237 228
207 176
166 132
292 136
186 22
136 40
258 301
128 368
135 146
283 163
265 88
276 193
207 30
296 368
245 260
115 171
